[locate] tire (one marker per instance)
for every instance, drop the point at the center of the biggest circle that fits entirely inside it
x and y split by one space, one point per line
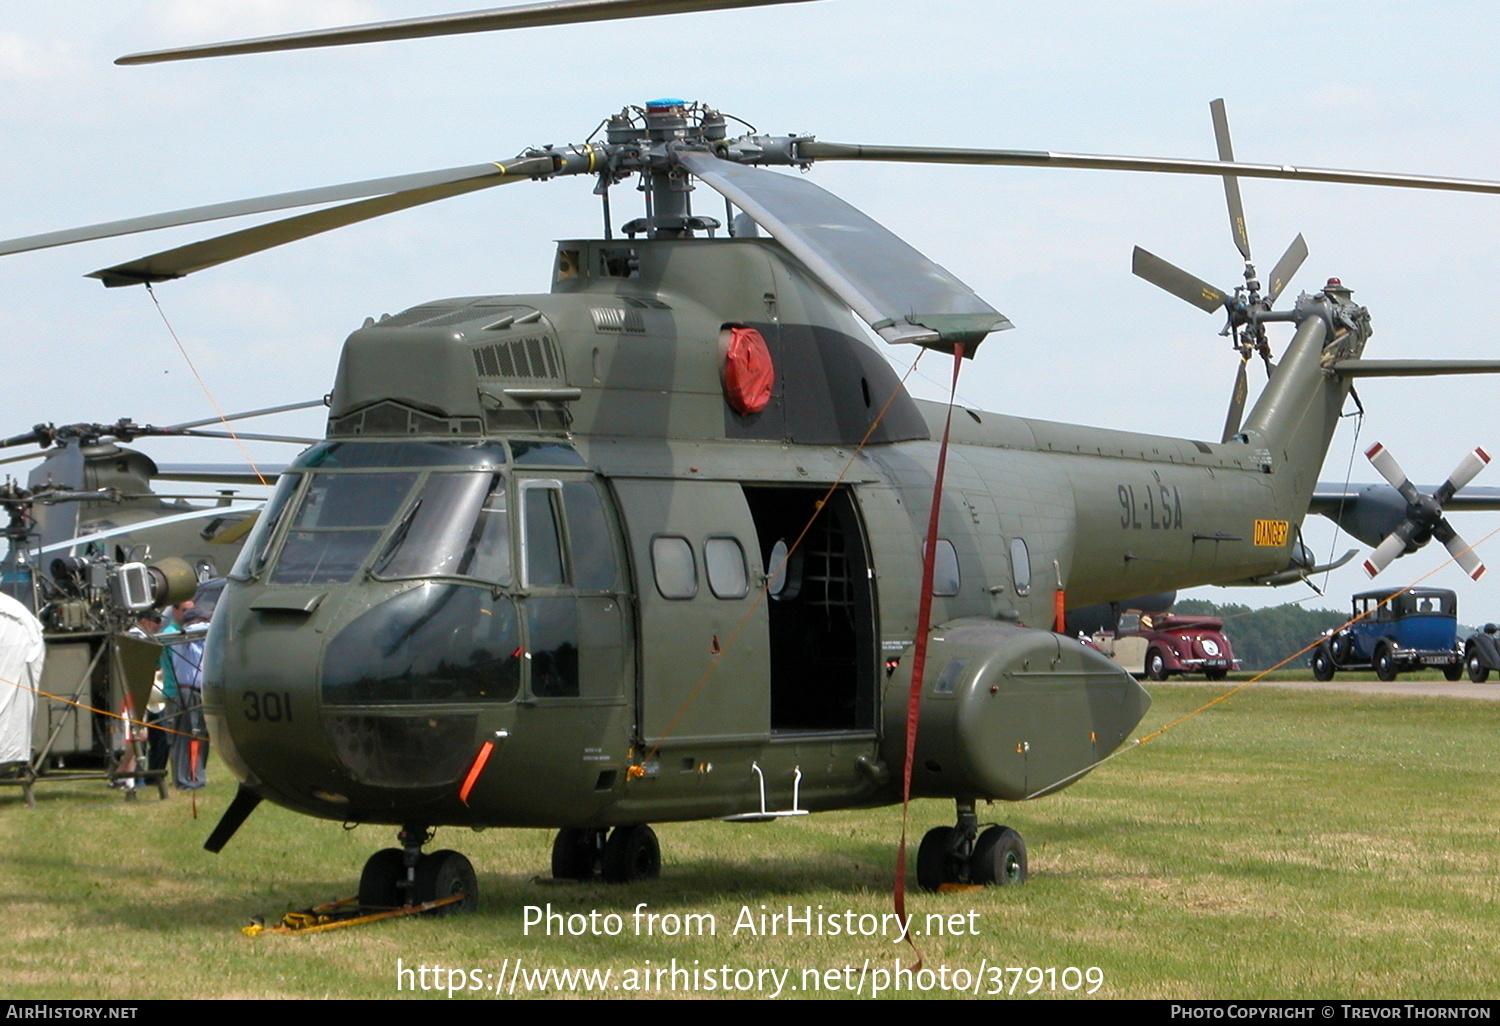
1474 663
1217 673
1385 662
1156 665
631 853
999 858
577 853
1322 664
379 879
1339 649
1453 671
444 874
934 859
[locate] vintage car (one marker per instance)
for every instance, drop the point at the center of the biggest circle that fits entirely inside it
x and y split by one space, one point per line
1482 653
1163 644
1395 631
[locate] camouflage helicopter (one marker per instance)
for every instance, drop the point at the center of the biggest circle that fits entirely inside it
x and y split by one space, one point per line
652 546
92 545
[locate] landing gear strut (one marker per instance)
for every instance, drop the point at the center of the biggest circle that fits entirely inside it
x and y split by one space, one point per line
404 876
960 854
622 855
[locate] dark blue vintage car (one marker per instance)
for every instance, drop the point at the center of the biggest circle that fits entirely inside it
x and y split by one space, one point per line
1395 631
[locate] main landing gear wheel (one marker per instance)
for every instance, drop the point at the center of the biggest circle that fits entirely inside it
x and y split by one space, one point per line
444 874
999 858
631 853
1478 672
1322 664
379 883
937 859
578 853
1156 665
1385 662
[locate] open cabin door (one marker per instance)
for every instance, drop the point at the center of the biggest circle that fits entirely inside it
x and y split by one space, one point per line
698 577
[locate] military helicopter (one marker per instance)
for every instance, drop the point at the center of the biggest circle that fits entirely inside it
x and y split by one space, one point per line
91 546
651 546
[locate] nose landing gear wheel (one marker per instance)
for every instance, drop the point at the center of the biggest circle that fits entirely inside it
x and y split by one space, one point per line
631 853
999 858
444 874
380 880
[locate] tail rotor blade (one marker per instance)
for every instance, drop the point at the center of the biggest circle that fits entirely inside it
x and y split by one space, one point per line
1231 182
1286 267
1236 403
1175 280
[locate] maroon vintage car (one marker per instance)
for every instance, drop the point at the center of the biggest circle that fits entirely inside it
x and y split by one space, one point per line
1179 643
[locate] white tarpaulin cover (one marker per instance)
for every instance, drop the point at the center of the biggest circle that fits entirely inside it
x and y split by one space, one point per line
21 654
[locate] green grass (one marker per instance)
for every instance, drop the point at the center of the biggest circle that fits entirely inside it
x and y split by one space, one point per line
1283 844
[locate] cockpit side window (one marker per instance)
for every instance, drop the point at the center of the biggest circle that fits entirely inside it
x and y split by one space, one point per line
257 549
543 562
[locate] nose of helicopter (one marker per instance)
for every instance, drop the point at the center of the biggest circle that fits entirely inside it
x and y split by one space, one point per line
345 704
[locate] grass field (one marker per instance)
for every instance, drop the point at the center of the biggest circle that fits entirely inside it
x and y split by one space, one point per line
1284 844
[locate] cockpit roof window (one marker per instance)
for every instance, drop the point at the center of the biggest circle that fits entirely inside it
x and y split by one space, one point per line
367 455
546 454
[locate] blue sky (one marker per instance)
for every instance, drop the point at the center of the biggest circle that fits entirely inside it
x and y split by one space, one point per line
1365 85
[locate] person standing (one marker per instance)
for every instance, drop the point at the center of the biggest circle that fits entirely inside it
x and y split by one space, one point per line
190 743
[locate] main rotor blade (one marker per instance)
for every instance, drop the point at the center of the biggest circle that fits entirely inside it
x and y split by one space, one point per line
258 205
184 260
1286 267
815 150
900 293
1231 183
245 415
1175 280
551 12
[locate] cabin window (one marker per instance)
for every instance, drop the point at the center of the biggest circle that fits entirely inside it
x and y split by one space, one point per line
945 576
1020 566
724 559
542 561
337 523
457 526
675 567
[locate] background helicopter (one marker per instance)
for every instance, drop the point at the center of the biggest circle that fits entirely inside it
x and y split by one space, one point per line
1345 162
90 545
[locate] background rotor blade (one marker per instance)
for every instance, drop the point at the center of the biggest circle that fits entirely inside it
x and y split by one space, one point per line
1287 266
1386 551
815 150
551 12
258 205
184 260
1236 403
1462 554
1386 464
901 294
1175 280
1467 468
1231 183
